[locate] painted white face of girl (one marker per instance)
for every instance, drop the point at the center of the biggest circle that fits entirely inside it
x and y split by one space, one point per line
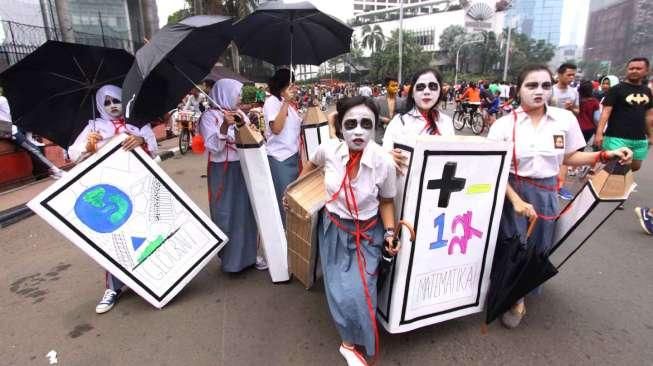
426 98
535 91
358 127
113 106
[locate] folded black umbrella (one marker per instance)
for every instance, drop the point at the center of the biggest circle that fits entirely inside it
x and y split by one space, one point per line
294 33
176 58
51 91
517 269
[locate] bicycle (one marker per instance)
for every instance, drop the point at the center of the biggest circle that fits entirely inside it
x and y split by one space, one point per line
469 115
187 124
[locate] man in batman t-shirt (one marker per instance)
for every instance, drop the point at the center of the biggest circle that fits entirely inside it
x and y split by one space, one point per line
624 112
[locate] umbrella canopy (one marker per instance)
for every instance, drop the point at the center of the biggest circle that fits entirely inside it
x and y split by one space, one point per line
221 72
176 58
517 269
296 33
51 91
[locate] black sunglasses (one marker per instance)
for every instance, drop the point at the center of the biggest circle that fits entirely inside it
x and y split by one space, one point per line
432 86
547 85
350 124
108 102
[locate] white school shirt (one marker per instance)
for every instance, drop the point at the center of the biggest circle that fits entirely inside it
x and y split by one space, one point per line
413 125
535 148
286 143
376 177
107 130
219 147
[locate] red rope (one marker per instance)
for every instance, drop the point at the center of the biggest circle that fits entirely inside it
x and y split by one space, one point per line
519 179
359 233
430 125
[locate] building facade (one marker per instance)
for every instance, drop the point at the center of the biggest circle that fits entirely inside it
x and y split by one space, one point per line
539 19
619 30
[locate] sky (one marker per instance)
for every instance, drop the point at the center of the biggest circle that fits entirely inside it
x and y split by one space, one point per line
341 9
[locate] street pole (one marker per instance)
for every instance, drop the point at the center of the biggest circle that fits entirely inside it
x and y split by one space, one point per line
401 38
506 60
455 79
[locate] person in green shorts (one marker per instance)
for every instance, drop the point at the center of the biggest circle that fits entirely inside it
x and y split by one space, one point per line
624 113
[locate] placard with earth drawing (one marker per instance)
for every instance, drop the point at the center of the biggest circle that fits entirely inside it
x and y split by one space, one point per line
126 213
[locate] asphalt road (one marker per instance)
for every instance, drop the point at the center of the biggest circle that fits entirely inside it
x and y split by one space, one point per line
597 311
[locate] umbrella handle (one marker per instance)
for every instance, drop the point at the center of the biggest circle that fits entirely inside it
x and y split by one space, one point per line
408 226
531 227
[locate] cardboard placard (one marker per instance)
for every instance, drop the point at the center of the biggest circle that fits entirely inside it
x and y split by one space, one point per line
258 178
126 213
315 130
453 195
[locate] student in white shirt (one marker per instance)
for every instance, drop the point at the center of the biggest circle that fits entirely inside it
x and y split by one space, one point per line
421 116
229 202
97 133
360 183
544 138
283 126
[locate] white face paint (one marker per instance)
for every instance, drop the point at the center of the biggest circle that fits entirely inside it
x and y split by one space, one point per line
358 137
532 93
425 99
110 106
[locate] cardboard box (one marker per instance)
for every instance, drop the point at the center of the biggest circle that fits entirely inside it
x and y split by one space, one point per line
315 130
256 171
593 205
455 207
306 198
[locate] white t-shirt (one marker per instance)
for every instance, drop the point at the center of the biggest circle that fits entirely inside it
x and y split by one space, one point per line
539 151
365 91
560 96
412 125
286 143
505 91
376 177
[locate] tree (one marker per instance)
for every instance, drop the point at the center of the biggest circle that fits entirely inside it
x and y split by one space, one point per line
450 39
373 37
526 50
386 61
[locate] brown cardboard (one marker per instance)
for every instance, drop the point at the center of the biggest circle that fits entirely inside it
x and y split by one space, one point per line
248 135
614 181
314 116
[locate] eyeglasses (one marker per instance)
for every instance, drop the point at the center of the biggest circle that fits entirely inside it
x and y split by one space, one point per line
350 124
108 102
432 86
547 85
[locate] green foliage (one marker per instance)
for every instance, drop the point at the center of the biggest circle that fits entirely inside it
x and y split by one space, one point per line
386 61
373 37
178 16
248 94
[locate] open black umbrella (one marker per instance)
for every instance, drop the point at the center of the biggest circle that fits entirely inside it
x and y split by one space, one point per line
176 58
517 269
51 91
287 34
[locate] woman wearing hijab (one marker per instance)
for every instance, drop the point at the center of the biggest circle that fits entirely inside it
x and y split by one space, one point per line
360 178
282 129
421 116
543 139
95 135
228 200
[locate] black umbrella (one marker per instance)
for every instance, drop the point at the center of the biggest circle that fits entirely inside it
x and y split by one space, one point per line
176 58
287 34
51 91
517 269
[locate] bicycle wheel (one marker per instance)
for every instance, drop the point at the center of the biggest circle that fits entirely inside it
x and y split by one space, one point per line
184 141
477 124
458 120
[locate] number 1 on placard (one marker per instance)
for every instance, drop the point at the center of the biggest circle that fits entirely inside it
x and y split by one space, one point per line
439 224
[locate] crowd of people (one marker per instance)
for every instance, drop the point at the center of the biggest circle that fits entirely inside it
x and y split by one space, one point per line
551 120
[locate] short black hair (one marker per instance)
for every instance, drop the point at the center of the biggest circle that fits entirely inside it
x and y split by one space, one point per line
410 102
279 81
564 67
585 89
345 104
639 59
389 78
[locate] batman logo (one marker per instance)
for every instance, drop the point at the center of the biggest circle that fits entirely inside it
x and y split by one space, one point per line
637 99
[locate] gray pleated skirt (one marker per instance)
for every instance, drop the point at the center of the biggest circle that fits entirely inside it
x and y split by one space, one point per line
283 173
232 211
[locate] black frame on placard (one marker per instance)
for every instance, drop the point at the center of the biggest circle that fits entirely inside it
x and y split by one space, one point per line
319 135
45 204
428 154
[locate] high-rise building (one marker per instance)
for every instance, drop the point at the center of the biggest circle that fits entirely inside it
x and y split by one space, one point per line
539 19
619 30
362 6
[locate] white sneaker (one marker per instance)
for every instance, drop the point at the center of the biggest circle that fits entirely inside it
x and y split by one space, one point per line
107 302
352 357
261 264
